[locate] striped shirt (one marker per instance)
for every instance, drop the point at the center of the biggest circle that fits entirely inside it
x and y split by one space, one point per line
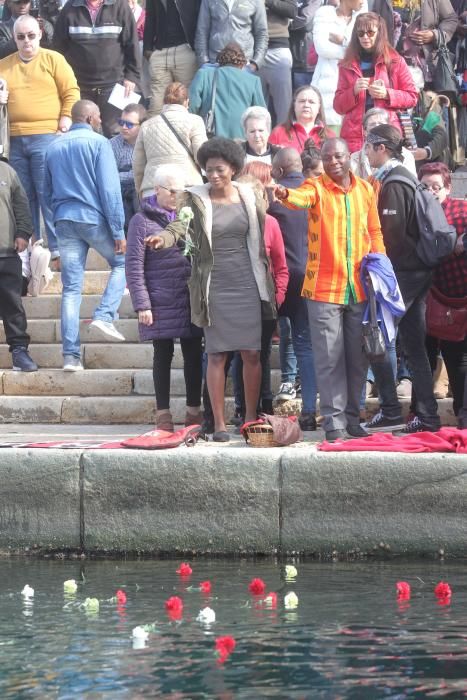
343 226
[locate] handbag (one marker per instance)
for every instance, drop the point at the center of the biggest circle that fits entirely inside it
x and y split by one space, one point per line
444 78
182 142
446 317
374 345
210 119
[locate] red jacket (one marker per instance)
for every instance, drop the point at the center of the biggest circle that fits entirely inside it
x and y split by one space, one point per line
297 137
402 94
275 250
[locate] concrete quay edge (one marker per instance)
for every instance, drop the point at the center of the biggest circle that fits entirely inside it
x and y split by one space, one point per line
232 500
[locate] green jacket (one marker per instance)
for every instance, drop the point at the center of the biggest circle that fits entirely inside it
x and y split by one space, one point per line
15 216
200 234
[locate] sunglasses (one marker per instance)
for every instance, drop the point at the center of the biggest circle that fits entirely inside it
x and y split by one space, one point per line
125 122
31 36
366 32
168 189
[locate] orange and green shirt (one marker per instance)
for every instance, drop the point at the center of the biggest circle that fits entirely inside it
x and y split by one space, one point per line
343 226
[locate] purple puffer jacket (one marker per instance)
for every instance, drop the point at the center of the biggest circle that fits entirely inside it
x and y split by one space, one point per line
157 279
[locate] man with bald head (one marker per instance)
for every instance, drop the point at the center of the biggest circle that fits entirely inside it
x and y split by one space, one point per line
343 226
287 171
40 89
82 187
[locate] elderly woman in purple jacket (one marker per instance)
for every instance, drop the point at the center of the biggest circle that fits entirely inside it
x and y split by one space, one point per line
157 280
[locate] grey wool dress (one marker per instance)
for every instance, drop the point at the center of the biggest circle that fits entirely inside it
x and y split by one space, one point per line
234 302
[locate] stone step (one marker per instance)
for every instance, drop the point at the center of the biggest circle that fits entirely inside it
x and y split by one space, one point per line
49 331
88 410
96 382
94 282
105 356
48 306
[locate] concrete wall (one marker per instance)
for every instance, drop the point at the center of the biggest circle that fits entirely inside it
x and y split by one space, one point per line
232 500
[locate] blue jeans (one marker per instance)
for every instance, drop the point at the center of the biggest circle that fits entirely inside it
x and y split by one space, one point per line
286 352
27 157
74 241
301 341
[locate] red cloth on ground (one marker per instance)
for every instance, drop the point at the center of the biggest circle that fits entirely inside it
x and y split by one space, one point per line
444 440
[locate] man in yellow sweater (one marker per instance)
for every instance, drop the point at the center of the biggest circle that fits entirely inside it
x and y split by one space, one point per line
40 89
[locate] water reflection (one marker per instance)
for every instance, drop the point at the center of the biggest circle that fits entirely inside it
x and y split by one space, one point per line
349 636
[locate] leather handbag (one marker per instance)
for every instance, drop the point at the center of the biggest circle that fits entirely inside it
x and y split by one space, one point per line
209 119
444 77
373 339
446 317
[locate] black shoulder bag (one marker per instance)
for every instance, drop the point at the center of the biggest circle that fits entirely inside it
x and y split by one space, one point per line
210 119
444 78
373 339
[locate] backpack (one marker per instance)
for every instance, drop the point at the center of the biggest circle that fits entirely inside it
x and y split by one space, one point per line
437 238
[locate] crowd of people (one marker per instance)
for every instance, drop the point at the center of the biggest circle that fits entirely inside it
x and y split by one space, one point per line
239 190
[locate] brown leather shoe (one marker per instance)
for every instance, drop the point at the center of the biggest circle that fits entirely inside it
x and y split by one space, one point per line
164 421
193 418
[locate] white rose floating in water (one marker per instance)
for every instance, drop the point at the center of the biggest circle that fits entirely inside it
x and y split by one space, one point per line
140 633
91 605
291 601
70 586
207 616
27 592
290 571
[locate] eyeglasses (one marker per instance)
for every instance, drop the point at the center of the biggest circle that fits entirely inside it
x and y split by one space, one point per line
366 32
169 189
31 36
125 122
434 188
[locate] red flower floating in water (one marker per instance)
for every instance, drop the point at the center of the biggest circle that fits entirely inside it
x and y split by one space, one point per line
224 647
205 586
403 590
174 607
257 586
443 593
184 570
121 597
271 600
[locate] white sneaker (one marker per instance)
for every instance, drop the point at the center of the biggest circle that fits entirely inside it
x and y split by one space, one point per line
286 392
108 329
72 364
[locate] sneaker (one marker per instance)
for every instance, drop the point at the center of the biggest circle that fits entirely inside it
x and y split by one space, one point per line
286 392
332 435
307 421
71 363
298 389
381 423
415 425
22 361
356 431
404 388
108 328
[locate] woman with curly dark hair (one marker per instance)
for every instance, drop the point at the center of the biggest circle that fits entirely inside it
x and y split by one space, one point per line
305 121
231 288
372 74
235 91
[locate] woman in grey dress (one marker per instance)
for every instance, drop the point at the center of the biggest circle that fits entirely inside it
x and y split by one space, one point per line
231 288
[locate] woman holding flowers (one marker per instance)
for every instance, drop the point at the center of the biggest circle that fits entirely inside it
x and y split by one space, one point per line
231 289
157 280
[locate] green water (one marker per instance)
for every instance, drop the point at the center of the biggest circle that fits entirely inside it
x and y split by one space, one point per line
348 637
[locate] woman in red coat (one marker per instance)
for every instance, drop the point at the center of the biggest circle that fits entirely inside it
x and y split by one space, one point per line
371 74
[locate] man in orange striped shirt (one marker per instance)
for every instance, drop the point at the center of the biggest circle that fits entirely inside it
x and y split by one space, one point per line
343 226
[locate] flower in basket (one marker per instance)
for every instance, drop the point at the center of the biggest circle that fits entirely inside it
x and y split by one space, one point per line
27 592
174 607
403 590
184 570
291 601
443 592
224 647
70 586
257 586
290 572
207 616
205 586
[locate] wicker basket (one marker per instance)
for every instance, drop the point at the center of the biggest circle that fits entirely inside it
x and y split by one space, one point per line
261 435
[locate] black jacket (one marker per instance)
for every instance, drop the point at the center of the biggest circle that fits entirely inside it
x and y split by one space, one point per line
155 22
294 229
396 208
103 54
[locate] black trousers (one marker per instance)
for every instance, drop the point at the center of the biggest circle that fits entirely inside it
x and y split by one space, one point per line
192 370
109 113
454 354
11 306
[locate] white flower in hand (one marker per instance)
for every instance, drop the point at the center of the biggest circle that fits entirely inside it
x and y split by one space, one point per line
185 215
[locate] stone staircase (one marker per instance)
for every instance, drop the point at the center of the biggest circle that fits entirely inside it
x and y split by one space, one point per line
116 386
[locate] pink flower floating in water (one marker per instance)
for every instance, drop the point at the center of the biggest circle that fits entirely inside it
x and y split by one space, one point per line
184 570
224 647
443 592
205 586
271 600
257 586
121 597
174 607
403 590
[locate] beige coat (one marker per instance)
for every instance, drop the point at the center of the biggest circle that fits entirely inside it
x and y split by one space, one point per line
156 145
